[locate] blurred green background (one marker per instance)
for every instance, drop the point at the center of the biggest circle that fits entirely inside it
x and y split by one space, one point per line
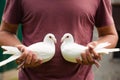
3 57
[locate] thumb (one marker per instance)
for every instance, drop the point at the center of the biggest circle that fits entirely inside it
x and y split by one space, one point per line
92 44
21 47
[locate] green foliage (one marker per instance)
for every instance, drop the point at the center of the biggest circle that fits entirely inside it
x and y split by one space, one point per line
19 34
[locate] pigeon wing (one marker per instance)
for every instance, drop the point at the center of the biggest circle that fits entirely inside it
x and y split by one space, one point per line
43 50
10 50
10 59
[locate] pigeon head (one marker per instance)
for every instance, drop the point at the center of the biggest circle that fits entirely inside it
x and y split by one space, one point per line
67 38
50 38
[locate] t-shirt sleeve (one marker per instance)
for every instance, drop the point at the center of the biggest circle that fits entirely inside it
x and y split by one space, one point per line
12 12
104 14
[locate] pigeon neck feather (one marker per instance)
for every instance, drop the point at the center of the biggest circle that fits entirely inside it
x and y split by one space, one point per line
70 40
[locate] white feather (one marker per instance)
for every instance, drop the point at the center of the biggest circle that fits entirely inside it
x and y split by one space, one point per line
10 50
10 59
44 50
71 50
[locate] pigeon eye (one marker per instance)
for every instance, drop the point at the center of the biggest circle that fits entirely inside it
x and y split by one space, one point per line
67 37
50 37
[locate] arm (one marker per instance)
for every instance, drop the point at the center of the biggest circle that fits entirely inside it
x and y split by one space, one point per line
8 37
8 34
106 34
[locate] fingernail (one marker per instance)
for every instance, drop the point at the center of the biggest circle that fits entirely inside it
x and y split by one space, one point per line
97 63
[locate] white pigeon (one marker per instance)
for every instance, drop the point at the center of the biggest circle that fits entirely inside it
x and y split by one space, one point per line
71 50
44 50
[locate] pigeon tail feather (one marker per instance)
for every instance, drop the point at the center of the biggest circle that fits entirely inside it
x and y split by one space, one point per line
10 50
107 51
102 45
10 59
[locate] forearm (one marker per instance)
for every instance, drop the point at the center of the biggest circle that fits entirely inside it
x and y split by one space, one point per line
8 34
112 39
7 38
108 34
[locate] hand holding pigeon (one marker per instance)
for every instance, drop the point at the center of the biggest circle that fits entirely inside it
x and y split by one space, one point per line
44 50
71 50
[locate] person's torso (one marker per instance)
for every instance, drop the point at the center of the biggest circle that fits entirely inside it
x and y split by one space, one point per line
58 17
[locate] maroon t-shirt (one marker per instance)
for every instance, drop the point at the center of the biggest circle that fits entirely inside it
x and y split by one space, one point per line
40 17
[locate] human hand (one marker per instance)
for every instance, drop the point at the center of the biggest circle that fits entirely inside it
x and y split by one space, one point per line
28 58
90 56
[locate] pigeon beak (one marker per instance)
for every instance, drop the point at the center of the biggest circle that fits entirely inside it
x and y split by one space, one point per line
62 40
55 41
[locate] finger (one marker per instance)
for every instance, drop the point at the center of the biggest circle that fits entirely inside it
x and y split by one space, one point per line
89 57
34 59
100 57
18 61
29 57
24 55
93 44
92 51
37 63
91 47
79 60
21 47
84 58
97 63
21 65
